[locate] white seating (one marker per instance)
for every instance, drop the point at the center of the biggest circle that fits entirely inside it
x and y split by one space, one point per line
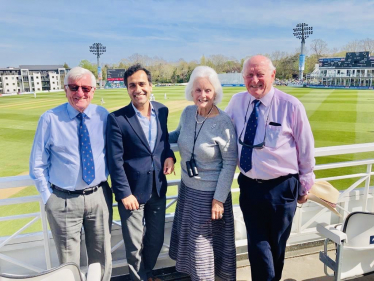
94 272
65 272
354 246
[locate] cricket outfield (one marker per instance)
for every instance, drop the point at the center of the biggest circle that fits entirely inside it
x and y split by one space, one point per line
337 117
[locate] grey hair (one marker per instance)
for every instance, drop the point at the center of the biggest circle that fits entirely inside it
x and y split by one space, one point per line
270 63
205 72
77 73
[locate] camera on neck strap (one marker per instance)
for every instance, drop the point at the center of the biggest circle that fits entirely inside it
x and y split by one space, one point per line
192 170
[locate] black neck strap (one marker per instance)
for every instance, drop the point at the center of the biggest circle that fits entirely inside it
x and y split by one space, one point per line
195 136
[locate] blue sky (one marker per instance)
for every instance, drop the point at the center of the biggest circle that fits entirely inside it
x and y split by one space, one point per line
54 32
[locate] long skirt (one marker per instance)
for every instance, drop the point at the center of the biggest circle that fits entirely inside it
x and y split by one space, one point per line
203 248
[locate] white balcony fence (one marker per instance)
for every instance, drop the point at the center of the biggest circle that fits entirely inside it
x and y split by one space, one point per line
34 252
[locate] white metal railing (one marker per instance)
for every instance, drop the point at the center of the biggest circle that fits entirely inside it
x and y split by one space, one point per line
305 219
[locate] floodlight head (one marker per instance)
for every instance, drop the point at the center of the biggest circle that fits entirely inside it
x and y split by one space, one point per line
97 49
302 31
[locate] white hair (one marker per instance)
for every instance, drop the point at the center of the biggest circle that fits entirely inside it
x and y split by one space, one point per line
205 72
270 63
77 73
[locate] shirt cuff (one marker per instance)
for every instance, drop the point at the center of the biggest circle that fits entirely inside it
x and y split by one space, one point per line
46 194
306 183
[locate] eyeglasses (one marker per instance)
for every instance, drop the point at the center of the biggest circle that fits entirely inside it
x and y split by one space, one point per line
75 88
255 146
262 144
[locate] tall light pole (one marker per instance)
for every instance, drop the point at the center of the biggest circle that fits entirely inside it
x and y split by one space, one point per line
302 31
98 49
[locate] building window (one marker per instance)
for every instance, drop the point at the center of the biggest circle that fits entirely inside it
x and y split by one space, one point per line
7 84
14 84
37 83
53 82
38 89
6 78
8 90
53 77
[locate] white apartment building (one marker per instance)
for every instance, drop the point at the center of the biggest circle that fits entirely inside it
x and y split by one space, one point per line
32 78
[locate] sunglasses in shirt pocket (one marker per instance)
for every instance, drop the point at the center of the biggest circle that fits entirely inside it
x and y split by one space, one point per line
273 130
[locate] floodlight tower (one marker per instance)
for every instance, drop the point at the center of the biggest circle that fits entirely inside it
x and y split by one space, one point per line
98 49
302 31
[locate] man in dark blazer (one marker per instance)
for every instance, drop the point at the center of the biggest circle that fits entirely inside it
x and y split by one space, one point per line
139 157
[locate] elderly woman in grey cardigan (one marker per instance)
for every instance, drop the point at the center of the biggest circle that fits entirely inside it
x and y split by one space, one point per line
202 239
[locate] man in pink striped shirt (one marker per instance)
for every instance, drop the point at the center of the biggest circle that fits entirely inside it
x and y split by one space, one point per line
276 168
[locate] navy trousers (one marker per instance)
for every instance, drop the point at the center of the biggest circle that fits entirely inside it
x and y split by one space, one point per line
268 208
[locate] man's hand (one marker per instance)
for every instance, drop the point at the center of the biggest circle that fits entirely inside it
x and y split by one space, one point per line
217 210
130 203
302 199
168 166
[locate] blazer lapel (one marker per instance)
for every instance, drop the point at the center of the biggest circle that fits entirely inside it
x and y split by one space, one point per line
131 117
159 132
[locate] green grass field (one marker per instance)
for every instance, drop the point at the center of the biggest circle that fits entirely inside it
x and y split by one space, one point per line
337 117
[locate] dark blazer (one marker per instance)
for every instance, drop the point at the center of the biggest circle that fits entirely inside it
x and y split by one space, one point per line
130 157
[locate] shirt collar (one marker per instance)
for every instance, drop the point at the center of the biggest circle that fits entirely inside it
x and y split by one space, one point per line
153 112
266 100
72 112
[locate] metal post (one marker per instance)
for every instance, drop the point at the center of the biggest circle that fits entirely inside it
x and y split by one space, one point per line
47 250
302 58
98 49
302 31
98 70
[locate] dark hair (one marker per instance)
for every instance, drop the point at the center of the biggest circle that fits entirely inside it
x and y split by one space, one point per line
134 68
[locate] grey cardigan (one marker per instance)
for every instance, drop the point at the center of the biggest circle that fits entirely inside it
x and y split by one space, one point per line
215 151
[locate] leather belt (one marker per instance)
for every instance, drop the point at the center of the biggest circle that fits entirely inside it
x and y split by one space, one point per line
85 191
276 180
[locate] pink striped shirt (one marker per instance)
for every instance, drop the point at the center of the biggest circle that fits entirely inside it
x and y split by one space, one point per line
289 143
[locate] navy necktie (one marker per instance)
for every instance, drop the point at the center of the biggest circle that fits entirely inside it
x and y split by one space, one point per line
249 137
88 165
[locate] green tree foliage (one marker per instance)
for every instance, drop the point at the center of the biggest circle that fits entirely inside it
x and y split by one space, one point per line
287 64
90 66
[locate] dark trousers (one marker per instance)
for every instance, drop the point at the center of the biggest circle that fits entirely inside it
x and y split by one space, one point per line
268 209
143 234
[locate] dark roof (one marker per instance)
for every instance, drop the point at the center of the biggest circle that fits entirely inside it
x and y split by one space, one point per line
41 67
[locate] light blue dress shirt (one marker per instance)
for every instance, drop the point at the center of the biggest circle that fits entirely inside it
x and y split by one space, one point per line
149 126
55 157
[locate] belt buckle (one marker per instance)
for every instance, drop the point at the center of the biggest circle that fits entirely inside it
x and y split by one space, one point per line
259 180
90 190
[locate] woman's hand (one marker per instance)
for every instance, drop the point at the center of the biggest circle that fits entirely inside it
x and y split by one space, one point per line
217 210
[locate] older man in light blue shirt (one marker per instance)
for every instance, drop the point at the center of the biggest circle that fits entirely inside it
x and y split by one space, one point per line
68 166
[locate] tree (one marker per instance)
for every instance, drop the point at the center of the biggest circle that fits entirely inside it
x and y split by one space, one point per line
353 46
66 66
203 60
88 65
368 45
319 48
